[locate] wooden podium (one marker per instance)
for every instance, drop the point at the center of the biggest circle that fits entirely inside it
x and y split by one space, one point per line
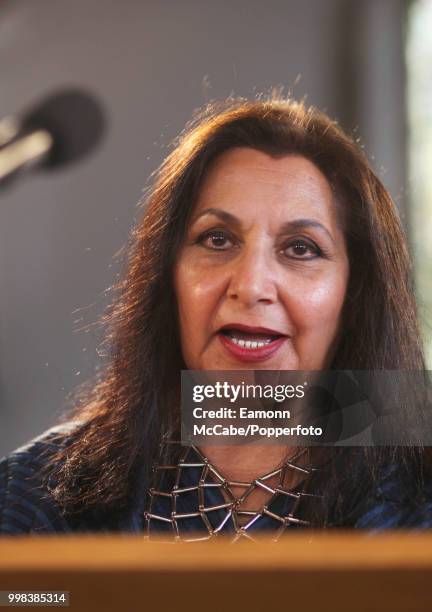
322 571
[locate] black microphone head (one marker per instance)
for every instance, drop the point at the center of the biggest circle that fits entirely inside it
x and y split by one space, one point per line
75 120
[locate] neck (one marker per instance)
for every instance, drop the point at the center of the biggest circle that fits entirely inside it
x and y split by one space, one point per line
246 463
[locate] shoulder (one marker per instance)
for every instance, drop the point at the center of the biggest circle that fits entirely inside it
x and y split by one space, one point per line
398 502
25 502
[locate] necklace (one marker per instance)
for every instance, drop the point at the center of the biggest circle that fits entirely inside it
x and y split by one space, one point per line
191 500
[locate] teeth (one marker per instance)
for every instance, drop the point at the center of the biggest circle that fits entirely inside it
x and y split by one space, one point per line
250 344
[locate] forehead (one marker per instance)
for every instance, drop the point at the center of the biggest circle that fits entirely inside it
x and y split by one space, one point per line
250 182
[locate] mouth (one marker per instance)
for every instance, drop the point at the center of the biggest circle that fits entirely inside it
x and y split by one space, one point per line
249 343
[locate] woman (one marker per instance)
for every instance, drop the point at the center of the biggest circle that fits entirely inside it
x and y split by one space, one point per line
267 242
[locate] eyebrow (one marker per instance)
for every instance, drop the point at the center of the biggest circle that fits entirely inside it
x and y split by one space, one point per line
288 226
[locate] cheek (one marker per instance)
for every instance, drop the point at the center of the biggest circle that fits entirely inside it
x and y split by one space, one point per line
318 305
198 296
316 313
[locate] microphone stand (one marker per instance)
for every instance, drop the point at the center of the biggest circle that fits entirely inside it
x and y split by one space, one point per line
22 152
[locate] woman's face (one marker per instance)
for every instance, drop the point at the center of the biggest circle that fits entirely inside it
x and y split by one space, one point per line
262 274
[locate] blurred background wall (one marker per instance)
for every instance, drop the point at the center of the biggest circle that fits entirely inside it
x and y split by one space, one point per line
151 62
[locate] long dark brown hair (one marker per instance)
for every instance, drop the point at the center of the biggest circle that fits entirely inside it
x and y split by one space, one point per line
136 398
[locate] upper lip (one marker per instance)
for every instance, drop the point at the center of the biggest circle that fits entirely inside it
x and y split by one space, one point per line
252 329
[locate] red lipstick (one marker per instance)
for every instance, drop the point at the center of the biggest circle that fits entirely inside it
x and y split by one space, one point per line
250 343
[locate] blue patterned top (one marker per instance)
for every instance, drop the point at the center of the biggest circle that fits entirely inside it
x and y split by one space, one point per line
26 505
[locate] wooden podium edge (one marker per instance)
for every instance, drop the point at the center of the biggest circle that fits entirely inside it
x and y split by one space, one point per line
341 551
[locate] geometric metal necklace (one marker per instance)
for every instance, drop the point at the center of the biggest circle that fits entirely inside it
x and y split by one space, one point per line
191 500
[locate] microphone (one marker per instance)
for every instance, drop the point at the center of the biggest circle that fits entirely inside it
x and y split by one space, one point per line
60 130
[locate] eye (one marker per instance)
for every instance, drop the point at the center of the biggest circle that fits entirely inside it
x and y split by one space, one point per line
302 249
217 240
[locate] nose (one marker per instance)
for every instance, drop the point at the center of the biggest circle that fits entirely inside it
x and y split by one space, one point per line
252 278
